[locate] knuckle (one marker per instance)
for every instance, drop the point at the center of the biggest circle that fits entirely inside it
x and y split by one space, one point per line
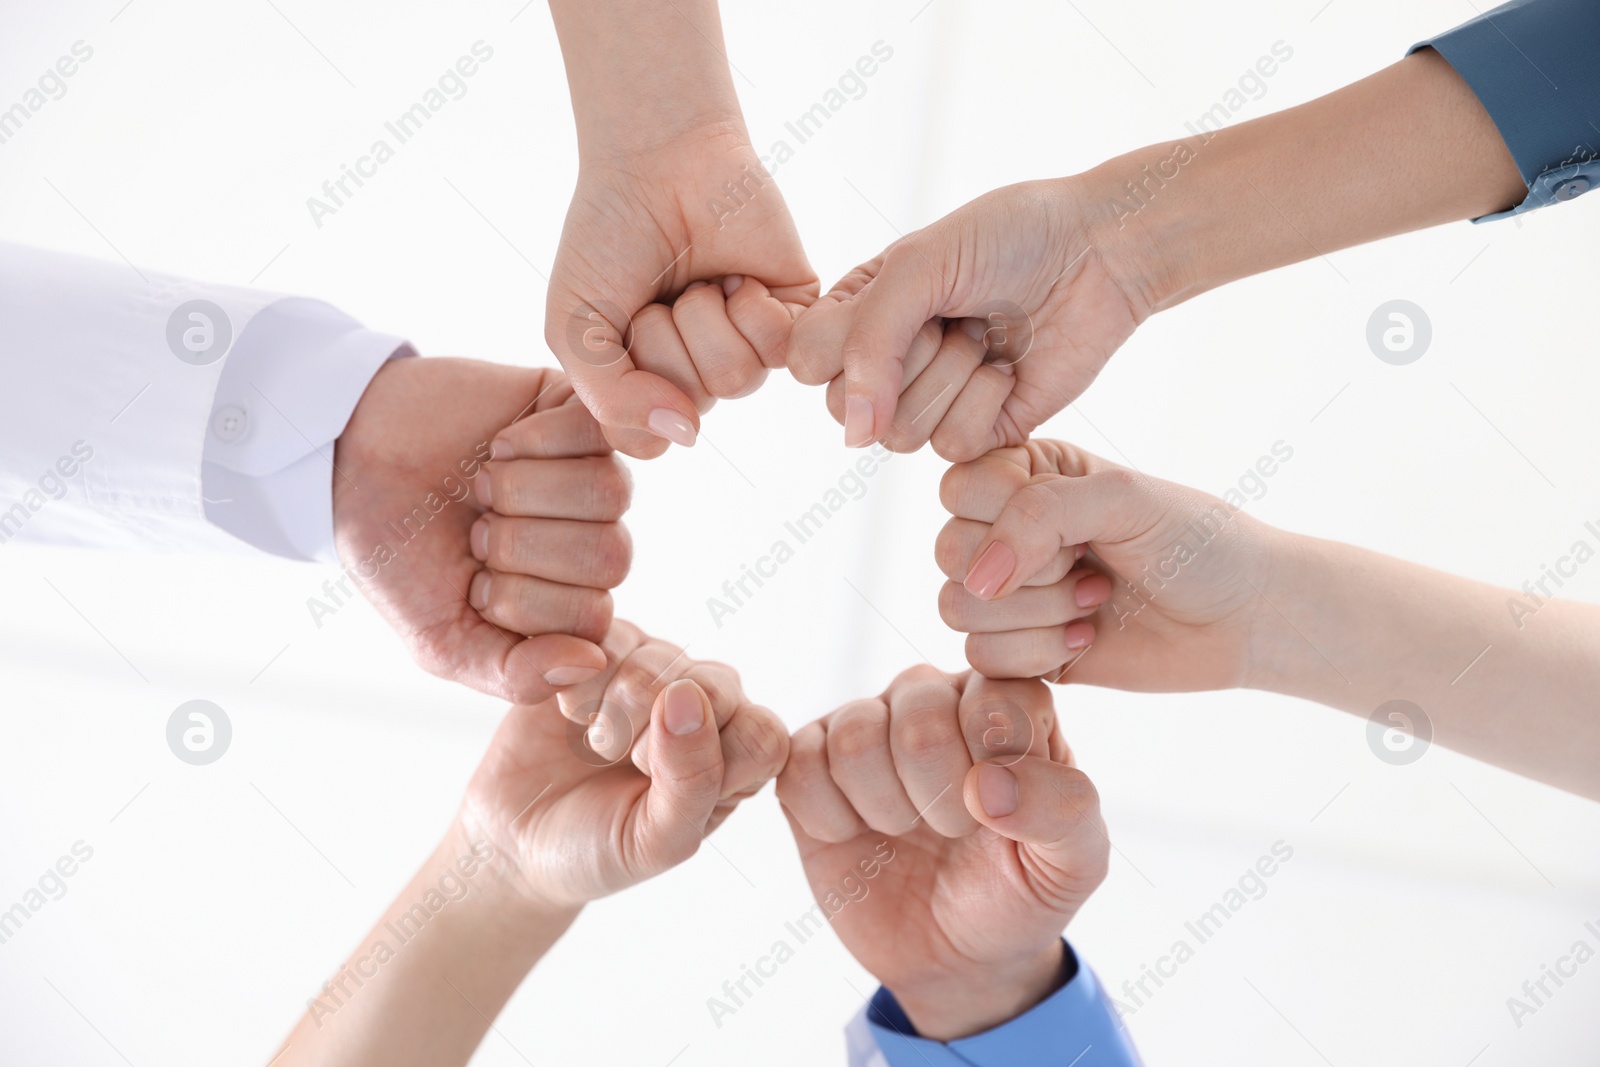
727 379
610 488
590 613
803 764
955 606
953 487
991 656
947 548
802 768
759 742
959 443
699 782
632 688
1033 504
903 438
610 555
922 674
806 357
652 316
852 738
924 735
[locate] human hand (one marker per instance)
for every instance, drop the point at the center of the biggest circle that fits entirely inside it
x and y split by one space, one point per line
974 330
558 794
1168 594
409 530
677 281
945 823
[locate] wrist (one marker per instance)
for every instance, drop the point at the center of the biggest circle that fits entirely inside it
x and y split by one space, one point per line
1158 217
1281 658
952 1006
499 887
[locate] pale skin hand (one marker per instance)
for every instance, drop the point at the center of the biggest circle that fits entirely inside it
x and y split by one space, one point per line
680 271
543 829
1039 313
1160 611
1077 264
963 906
1203 597
406 461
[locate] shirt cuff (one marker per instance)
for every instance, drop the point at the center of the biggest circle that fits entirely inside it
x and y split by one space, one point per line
1531 64
1075 1025
291 382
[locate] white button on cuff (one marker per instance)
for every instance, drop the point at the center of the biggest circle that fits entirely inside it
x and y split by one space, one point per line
230 424
1571 188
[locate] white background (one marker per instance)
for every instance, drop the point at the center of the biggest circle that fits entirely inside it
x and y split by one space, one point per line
1419 898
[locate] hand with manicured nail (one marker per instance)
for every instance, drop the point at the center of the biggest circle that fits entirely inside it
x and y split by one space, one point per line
662 301
547 825
973 330
1067 567
680 271
946 833
410 534
622 776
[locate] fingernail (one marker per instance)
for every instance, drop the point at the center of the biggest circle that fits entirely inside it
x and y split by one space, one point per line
990 571
1079 635
974 329
480 485
1092 591
731 283
997 790
683 711
664 422
478 592
480 540
1078 552
857 422
559 676
500 449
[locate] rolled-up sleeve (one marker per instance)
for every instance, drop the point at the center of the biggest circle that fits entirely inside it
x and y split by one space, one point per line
1535 67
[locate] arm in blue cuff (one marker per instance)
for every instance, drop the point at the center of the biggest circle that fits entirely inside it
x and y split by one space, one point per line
1535 67
1076 1025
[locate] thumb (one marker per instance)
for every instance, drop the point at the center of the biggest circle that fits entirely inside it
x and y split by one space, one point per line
907 292
1053 512
1052 812
685 768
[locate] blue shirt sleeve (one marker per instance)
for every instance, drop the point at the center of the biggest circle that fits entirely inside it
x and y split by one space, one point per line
1076 1026
1535 67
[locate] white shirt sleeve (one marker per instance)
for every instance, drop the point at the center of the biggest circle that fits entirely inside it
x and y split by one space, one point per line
150 412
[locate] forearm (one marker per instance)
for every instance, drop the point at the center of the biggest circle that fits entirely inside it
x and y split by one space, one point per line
1404 149
1509 677
425 983
641 71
